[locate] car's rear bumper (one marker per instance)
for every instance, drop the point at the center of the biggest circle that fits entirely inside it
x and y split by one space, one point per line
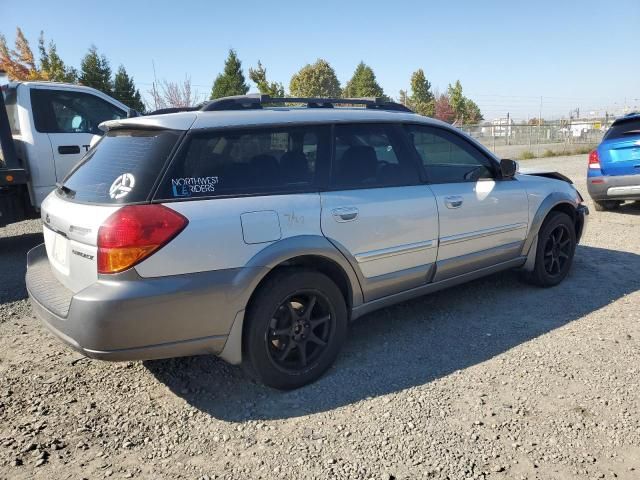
128 317
618 187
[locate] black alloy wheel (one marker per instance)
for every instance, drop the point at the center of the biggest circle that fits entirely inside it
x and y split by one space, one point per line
300 330
557 250
295 326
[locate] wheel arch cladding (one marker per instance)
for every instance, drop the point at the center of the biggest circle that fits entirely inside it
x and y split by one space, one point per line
306 251
310 252
554 202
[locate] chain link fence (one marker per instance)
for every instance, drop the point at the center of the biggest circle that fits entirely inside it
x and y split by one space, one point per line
511 140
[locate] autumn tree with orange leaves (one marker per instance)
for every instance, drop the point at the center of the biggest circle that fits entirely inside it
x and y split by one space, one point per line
20 64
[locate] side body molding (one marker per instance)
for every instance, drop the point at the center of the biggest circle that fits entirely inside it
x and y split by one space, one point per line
552 200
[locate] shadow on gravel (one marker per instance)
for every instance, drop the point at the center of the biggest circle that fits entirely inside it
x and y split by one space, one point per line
13 258
629 208
415 342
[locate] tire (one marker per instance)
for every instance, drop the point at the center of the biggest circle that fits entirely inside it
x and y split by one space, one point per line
554 252
603 205
285 344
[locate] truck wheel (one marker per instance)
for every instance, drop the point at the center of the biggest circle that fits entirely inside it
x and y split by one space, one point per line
555 250
296 325
603 205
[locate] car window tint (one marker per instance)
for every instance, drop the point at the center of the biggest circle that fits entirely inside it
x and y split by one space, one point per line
246 162
121 168
371 156
448 158
62 111
624 129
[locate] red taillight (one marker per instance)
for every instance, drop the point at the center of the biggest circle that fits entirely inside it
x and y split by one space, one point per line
133 233
594 160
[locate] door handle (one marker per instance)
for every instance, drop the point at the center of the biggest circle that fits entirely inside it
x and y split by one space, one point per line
454 201
68 149
345 214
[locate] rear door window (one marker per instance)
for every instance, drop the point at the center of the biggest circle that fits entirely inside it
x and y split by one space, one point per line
624 129
62 111
122 168
247 162
371 156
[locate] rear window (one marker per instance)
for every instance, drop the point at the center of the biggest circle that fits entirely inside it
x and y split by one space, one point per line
623 129
247 162
122 168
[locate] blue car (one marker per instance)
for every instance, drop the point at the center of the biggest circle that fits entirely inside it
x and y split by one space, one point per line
614 167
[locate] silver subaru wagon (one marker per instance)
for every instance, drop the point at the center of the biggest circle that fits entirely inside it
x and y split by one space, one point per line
258 232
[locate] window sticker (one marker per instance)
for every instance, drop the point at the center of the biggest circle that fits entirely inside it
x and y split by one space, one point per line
187 186
122 185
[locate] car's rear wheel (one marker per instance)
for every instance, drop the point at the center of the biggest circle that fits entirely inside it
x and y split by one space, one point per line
555 250
602 205
296 325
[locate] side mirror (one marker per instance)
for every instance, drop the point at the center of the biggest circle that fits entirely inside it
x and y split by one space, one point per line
508 168
132 113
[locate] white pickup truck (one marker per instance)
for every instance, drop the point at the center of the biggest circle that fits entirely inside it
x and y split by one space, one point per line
45 129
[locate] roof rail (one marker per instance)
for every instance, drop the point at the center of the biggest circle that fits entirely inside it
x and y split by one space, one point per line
257 101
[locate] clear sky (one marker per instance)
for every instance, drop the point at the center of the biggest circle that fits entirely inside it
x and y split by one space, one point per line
507 54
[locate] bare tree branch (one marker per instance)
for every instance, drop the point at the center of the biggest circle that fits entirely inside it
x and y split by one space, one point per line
173 95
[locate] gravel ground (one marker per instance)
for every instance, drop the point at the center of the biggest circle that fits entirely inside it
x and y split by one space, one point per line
495 379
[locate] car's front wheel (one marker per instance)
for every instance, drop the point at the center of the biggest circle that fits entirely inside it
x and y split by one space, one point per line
555 250
296 325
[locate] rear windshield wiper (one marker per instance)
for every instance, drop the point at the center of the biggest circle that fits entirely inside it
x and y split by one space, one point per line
631 132
66 190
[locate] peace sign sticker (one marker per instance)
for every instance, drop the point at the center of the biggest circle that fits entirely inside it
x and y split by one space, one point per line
122 186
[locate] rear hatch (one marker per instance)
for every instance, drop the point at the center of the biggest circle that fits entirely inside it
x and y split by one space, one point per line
122 169
619 152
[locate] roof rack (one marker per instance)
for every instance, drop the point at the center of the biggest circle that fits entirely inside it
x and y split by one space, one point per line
257 101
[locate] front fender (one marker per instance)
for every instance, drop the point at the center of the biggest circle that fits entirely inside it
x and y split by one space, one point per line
550 202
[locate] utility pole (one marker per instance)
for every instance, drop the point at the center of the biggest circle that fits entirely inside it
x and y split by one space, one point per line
539 124
155 81
507 130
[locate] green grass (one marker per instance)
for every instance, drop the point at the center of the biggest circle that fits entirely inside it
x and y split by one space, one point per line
548 153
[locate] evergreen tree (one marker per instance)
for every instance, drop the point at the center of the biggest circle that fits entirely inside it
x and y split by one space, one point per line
315 80
231 81
404 98
363 83
259 77
95 71
457 100
125 90
51 65
421 100
472 113
466 110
